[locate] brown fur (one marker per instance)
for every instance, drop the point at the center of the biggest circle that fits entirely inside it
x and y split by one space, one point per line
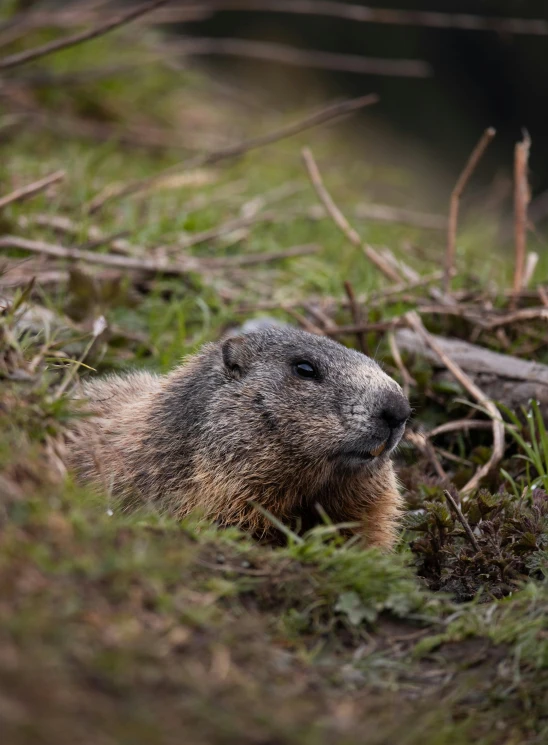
236 424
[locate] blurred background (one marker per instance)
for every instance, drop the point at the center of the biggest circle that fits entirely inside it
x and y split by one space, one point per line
463 72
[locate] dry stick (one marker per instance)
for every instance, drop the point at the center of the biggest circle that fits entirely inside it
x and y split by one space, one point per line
458 425
525 314
356 315
358 13
454 203
340 220
407 378
121 262
190 264
463 521
250 259
521 200
389 214
288 55
425 447
416 324
31 189
21 58
329 113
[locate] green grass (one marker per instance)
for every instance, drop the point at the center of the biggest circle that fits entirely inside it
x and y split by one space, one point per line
118 628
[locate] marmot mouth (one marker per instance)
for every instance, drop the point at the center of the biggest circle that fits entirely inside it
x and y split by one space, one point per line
363 454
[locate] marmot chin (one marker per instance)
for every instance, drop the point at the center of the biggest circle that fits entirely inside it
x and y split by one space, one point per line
277 417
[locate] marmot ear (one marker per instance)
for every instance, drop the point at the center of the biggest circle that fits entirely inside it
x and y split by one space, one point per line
236 356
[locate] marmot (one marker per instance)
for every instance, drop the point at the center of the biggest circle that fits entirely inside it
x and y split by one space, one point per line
278 417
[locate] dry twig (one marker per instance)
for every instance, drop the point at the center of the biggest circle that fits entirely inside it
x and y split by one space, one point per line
329 113
27 191
340 220
454 203
416 324
21 58
288 55
356 315
463 521
160 266
458 425
358 13
407 378
388 214
521 201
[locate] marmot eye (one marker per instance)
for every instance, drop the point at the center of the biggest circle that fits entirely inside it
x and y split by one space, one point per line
305 369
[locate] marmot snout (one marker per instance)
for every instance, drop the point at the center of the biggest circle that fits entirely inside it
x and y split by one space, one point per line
279 417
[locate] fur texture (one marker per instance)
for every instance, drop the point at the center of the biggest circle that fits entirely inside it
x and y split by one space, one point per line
239 423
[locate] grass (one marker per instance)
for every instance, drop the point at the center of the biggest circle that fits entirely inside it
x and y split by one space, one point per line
118 628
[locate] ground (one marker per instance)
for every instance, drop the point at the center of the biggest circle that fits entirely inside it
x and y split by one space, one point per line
118 627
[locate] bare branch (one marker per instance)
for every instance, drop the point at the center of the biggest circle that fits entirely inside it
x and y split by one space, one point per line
463 521
21 58
455 202
160 266
498 426
27 191
521 201
340 220
329 113
359 13
288 55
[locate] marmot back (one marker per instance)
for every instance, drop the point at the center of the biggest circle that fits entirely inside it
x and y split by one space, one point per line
278 417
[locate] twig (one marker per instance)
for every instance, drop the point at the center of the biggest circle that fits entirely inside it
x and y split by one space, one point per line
160 266
356 315
340 220
367 326
388 214
288 55
260 258
329 113
463 521
498 426
227 227
122 262
407 378
454 203
21 58
421 443
521 201
458 425
304 322
358 13
31 189
525 314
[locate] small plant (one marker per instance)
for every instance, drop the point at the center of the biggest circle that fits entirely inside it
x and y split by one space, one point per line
535 452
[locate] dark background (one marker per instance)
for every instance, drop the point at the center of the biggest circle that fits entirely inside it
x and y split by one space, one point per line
480 78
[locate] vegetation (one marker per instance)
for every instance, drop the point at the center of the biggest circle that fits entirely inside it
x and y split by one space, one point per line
133 628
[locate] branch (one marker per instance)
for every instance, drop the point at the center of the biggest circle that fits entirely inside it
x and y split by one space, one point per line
358 13
455 202
340 220
498 426
329 113
21 58
287 55
463 521
190 264
31 189
521 201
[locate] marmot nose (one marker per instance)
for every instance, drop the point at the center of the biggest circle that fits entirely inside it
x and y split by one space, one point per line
395 409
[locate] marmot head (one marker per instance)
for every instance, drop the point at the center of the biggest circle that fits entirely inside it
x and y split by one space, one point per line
284 400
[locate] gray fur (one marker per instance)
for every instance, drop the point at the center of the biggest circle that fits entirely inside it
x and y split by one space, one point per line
236 423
